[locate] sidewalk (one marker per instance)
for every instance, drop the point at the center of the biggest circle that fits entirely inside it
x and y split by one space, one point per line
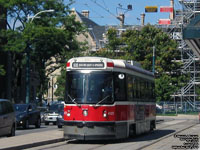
31 140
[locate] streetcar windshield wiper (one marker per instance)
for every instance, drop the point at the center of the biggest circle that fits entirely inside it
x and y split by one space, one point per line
103 99
73 100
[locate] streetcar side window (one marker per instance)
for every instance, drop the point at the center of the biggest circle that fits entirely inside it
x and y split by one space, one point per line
129 88
119 86
134 88
147 98
142 90
137 88
153 92
148 91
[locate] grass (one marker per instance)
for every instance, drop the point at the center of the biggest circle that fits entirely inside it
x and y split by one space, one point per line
178 113
167 114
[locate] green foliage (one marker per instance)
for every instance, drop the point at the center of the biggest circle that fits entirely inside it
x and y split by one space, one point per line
48 35
197 88
61 80
2 71
114 41
138 45
163 87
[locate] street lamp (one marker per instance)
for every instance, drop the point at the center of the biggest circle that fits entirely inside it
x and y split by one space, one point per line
44 11
28 57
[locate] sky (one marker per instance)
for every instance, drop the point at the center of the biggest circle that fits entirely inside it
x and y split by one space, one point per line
99 10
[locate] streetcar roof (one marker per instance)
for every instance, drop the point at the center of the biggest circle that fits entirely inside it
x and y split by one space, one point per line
113 64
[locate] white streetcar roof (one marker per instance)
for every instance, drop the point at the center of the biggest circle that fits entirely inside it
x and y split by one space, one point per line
102 63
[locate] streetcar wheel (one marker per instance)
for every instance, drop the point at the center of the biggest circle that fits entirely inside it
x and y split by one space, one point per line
152 125
132 131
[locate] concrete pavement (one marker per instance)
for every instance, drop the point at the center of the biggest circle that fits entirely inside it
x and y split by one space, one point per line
31 140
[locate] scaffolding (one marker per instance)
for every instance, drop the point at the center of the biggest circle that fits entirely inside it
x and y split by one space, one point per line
188 93
190 8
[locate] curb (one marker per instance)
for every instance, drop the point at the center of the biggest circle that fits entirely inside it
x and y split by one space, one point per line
25 146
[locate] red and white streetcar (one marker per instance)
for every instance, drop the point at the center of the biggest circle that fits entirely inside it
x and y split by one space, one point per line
107 99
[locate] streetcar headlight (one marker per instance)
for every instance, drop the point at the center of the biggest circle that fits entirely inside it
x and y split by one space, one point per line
105 114
85 112
68 113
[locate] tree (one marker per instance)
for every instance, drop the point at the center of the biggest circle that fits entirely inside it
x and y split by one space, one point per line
2 71
138 45
53 35
114 40
61 80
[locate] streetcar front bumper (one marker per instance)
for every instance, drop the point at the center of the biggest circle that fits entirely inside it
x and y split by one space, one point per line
94 130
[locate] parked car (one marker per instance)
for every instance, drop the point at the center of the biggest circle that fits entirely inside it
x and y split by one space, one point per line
60 119
43 110
158 109
27 114
7 118
51 115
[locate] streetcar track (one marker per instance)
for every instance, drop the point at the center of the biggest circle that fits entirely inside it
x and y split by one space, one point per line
165 137
102 143
171 125
148 145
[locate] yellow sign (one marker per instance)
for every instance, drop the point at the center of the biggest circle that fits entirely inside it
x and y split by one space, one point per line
151 9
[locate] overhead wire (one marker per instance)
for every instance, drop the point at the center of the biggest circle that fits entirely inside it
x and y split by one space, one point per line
100 16
106 9
94 1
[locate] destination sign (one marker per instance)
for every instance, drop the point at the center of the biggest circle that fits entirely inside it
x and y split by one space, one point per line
88 65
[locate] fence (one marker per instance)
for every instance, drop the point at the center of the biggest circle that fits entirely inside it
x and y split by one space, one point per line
177 107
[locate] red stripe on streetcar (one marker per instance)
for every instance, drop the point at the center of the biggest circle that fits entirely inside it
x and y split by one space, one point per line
114 113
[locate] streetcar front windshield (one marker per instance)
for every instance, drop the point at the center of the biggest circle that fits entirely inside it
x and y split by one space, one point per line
95 87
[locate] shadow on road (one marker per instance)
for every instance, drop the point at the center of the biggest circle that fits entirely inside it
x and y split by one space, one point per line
155 135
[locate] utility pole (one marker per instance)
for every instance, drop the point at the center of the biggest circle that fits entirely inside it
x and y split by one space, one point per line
28 57
27 75
153 64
